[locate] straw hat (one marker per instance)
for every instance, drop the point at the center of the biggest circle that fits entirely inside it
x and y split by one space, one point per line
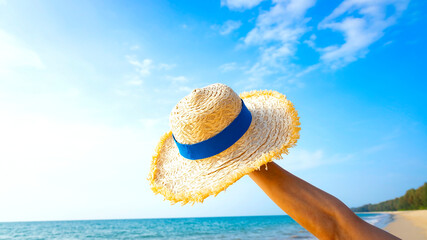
218 137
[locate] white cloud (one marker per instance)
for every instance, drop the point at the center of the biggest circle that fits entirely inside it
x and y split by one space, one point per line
257 72
134 47
240 4
133 80
15 54
179 83
146 66
388 43
278 30
310 41
301 159
143 67
362 22
178 79
296 82
276 34
376 148
229 26
227 67
307 70
184 89
164 66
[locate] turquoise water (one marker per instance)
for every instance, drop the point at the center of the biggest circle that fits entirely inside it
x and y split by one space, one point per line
256 227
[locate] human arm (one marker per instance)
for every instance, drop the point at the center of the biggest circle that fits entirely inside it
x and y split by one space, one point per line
320 213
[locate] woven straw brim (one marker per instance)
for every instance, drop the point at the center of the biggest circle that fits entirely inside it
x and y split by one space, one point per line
274 129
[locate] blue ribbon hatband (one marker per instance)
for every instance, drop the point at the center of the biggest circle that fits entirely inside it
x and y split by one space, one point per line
220 142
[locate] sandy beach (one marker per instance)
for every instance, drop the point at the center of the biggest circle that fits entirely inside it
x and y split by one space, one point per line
409 224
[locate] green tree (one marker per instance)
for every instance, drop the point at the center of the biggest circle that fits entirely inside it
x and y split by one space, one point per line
413 199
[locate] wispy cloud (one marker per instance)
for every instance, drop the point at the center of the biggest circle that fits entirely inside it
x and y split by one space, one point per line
303 159
147 71
295 82
15 53
228 27
278 30
177 79
388 43
134 47
310 41
146 66
276 34
240 4
179 83
227 67
143 70
376 148
362 23
257 73
184 89
165 66
307 70
143 67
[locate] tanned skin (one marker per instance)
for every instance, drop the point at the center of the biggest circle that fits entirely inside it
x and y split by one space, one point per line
320 213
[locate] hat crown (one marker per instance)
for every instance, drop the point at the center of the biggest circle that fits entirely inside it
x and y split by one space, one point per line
204 113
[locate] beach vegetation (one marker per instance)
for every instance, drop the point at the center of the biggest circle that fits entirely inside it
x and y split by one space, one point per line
414 199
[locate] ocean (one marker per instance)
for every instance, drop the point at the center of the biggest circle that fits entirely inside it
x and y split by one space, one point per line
254 227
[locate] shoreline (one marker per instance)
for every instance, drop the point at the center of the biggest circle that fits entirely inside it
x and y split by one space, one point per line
410 224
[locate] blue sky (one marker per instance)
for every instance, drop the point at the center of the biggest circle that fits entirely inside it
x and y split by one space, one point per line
86 89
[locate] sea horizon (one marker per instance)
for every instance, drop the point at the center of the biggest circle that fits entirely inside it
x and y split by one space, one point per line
107 219
229 227
149 218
